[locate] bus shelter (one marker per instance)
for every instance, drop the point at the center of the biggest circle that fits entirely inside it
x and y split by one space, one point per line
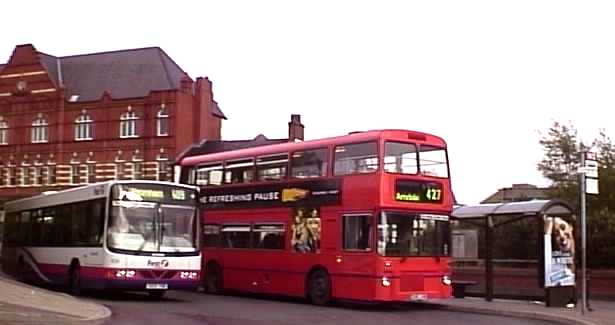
539 233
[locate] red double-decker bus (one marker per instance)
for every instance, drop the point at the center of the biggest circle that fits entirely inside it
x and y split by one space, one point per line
363 216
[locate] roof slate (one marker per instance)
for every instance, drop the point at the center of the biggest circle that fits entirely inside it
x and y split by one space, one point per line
51 65
124 74
207 147
216 111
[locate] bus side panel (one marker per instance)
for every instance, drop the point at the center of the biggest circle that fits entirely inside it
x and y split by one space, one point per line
355 287
354 277
361 191
276 273
51 264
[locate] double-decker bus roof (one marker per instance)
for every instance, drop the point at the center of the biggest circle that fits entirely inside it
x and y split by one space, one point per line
81 193
413 136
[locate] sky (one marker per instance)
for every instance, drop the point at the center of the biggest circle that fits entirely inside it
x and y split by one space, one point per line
490 77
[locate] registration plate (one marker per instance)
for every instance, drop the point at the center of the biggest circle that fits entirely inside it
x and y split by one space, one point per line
418 297
161 286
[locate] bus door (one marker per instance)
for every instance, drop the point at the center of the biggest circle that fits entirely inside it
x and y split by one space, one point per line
268 239
356 263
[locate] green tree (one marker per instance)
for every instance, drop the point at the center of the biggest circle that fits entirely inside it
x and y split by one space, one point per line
560 164
561 160
601 208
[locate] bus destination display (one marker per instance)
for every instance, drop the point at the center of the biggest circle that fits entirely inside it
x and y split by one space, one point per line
418 192
153 193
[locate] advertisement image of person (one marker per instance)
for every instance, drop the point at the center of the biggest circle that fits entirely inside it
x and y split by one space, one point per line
305 231
300 232
559 252
313 224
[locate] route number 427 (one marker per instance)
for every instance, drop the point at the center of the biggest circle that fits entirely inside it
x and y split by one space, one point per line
433 194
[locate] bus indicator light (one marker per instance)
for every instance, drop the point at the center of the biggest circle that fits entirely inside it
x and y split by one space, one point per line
446 280
385 282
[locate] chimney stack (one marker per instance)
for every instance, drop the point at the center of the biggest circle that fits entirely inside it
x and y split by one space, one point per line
295 128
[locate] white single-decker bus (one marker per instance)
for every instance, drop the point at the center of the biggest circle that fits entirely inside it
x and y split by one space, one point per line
127 235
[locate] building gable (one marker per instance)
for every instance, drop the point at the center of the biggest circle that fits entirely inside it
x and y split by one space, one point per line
123 74
27 72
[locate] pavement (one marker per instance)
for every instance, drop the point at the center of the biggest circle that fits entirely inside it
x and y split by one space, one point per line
25 304
603 312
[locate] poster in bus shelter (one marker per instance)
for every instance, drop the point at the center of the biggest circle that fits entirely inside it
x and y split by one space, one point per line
559 250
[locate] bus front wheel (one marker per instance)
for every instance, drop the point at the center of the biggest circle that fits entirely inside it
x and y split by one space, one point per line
319 287
213 279
74 280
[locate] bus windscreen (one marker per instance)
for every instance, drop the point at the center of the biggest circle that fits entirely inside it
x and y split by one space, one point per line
152 218
402 234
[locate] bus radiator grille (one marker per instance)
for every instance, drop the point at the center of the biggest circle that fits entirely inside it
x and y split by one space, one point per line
154 274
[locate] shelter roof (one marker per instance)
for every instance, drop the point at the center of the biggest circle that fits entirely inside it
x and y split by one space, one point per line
525 208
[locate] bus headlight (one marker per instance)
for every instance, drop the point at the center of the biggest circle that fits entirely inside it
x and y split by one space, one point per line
120 273
385 282
130 273
446 280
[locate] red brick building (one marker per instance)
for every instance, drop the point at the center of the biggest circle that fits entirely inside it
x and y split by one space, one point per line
66 121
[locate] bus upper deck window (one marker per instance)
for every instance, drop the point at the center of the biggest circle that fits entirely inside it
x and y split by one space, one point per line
239 171
272 168
356 158
432 161
400 158
309 163
210 174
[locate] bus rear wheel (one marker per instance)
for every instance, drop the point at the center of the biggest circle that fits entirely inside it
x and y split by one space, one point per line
74 280
156 294
213 279
319 287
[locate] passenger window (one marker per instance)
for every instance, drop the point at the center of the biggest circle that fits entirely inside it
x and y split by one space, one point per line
210 174
356 158
24 231
310 163
433 162
356 232
400 158
272 168
37 228
268 236
236 236
239 171
211 236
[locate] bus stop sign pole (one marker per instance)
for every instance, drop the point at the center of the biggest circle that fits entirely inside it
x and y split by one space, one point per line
589 185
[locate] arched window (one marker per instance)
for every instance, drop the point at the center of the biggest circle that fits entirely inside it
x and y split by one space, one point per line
4 131
128 124
162 121
40 130
83 127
